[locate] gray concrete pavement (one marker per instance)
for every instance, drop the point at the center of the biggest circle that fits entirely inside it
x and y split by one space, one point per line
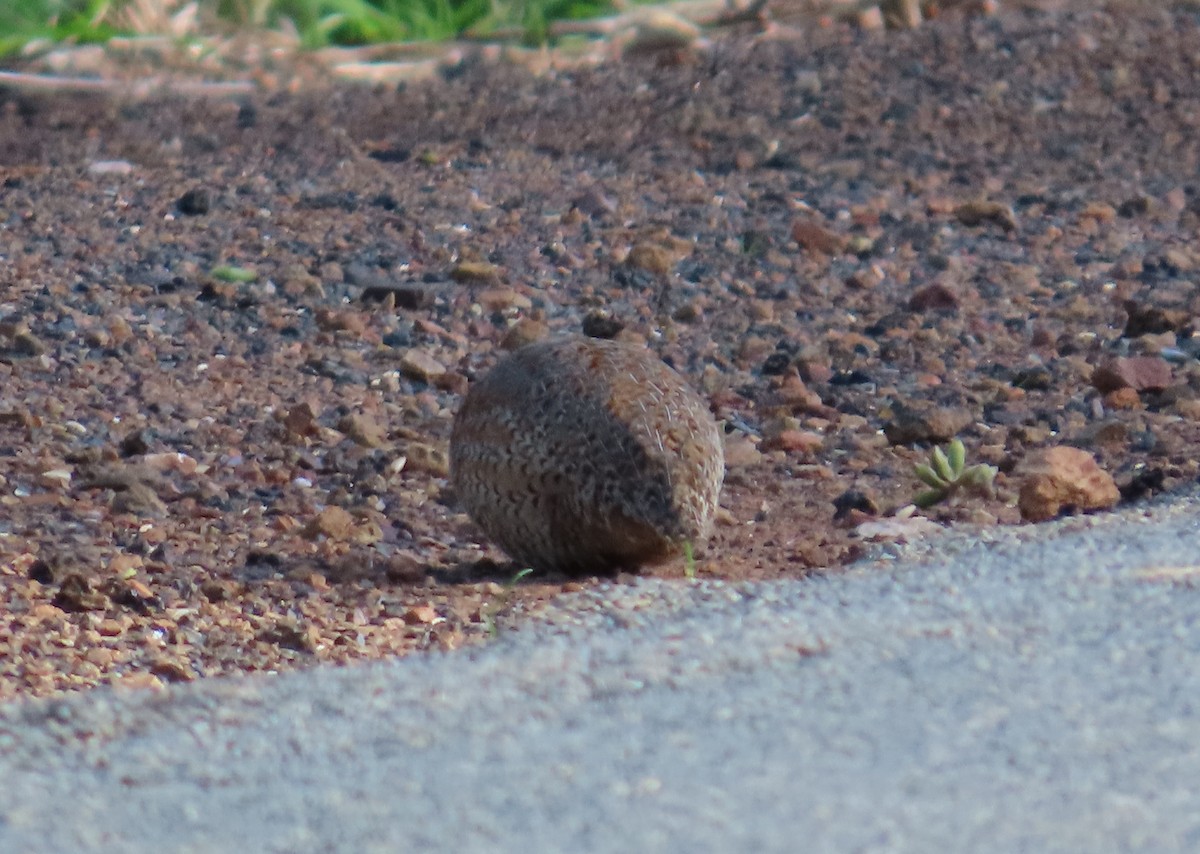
1038 692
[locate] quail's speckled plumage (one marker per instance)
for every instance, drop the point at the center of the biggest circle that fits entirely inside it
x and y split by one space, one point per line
585 455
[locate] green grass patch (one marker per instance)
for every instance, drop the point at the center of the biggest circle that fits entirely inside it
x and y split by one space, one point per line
319 23
23 21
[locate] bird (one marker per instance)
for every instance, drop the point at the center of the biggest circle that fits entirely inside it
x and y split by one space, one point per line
587 456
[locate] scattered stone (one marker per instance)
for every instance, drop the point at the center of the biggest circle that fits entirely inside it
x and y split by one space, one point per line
291 633
914 422
27 344
1145 482
501 299
1146 319
403 568
1140 373
333 522
1063 478
110 167
797 396
793 441
1135 206
329 320
1107 432
776 364
899 528
363 430
421 615
593 203
601 324
1098 211
171 461
42 571
869 18
855 500
419 365
1123 398
741 452
932 297
76 595
524 331
1188 408
651 257
172 670
427 459
901 14
139 499
301 420
476 272
57 478
814 237
982 212
657 30
195 202
135 443
1037 378
411 296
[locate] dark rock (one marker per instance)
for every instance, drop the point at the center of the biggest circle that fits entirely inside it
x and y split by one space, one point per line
195 202
851 500
1152 320
601 324
76 595
919 423
933 297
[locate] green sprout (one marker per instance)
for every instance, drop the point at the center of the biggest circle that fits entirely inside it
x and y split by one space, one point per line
229 273
947 472
689 560
498 604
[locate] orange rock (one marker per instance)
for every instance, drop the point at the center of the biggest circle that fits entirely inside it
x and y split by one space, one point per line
1123 398
420 614
814 237
333 522
794 441
1054 479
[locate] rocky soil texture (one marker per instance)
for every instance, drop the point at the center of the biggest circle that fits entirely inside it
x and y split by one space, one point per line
233 332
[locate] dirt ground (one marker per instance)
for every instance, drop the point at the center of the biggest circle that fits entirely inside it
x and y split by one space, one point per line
233 332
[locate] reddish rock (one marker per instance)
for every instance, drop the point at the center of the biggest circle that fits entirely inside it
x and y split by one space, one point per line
795 394
814 237
301 419
1055 479
932 297
524 331
794 442
1123 398
1140 373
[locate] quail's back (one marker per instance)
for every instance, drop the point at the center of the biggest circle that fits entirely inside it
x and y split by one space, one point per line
586 455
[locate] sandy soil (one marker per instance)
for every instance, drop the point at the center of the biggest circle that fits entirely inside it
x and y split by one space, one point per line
233 332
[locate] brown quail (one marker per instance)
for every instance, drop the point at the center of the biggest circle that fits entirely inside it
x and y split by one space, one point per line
582 455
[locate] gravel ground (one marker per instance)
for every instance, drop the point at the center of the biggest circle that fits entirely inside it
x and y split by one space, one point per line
233 332
1031 693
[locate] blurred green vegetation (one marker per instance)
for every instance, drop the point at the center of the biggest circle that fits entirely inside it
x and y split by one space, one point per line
317 23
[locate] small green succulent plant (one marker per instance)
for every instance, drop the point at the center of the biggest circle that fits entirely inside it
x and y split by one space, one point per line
947 472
